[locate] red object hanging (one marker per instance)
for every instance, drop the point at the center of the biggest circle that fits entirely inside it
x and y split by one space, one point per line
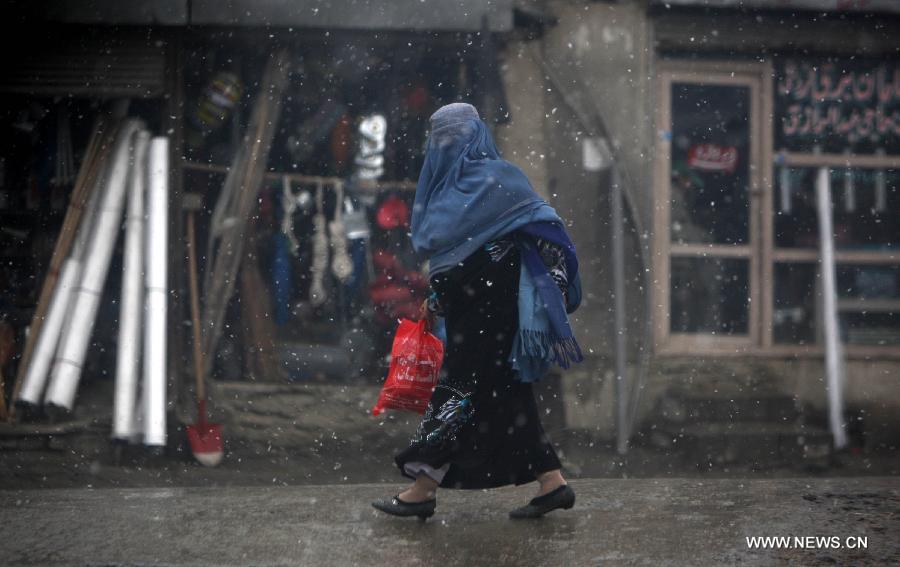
393 213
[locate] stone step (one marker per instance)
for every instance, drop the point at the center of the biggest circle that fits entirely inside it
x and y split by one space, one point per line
689 407
309 361
744 442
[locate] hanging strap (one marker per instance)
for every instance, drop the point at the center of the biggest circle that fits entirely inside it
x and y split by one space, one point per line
289 206
317 293
341 264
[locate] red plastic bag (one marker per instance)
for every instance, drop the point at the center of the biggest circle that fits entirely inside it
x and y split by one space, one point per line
416 358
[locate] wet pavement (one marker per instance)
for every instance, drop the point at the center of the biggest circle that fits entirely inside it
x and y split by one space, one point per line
614 522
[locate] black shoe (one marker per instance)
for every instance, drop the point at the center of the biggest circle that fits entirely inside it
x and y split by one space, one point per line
562 497
397 507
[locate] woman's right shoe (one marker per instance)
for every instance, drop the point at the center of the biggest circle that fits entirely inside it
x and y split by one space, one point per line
562 497
397 507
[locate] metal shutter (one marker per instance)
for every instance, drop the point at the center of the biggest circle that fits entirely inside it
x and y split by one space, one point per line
131 69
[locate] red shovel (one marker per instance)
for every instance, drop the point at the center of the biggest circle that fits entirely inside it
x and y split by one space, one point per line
205 437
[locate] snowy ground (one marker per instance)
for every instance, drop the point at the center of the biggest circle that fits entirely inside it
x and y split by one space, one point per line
654 522
323 434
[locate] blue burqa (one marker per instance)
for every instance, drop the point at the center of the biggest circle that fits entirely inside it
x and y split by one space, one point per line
467 196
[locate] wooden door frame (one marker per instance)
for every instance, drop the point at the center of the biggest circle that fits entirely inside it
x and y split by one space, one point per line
756 76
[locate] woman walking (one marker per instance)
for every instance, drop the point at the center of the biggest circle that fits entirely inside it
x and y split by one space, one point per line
504 275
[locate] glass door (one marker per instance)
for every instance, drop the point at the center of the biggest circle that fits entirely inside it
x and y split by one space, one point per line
707 190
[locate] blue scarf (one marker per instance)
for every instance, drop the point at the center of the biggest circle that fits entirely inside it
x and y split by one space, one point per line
467 195
544 334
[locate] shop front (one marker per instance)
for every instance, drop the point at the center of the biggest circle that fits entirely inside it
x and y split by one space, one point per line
775 227
739 149
328 268
63 100
324 266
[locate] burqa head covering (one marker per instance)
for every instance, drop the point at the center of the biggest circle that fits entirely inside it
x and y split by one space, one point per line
467 194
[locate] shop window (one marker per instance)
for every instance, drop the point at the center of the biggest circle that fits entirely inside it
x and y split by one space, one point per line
837 114
707 233
868 304
709 168
795 316
736 230
866 208
709 295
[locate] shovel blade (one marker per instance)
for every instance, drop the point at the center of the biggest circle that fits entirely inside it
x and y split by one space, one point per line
206 443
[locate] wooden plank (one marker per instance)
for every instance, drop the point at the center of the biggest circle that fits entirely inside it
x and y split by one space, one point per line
713 71
810 255
767 239
852 352
249 178
680 349
710 251
707 342
257 321
862 305
792 159
753 194
309 179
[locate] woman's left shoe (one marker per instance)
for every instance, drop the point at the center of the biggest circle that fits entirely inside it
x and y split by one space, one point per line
562 497
397 507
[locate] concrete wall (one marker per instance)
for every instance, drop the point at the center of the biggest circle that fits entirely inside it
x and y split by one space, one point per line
602 52
588 48
522 140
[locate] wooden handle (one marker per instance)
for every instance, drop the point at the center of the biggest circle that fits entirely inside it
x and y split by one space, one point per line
195 313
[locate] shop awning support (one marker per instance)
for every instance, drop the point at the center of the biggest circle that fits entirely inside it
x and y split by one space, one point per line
834 350
627 398
620 327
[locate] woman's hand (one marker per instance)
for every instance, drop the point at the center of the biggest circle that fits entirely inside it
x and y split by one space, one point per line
427 315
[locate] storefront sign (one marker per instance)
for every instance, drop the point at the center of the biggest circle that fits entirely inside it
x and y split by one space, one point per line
838 105
713 157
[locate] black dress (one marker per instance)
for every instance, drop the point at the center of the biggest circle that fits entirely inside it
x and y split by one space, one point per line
481 428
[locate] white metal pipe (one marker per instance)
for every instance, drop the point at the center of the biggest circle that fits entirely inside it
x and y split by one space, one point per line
132 299
70 357
784 177
849 189
880 186
48 337
60 302
834 352
78 252
154 391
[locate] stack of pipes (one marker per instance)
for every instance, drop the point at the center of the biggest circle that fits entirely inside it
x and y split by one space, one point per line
136 168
